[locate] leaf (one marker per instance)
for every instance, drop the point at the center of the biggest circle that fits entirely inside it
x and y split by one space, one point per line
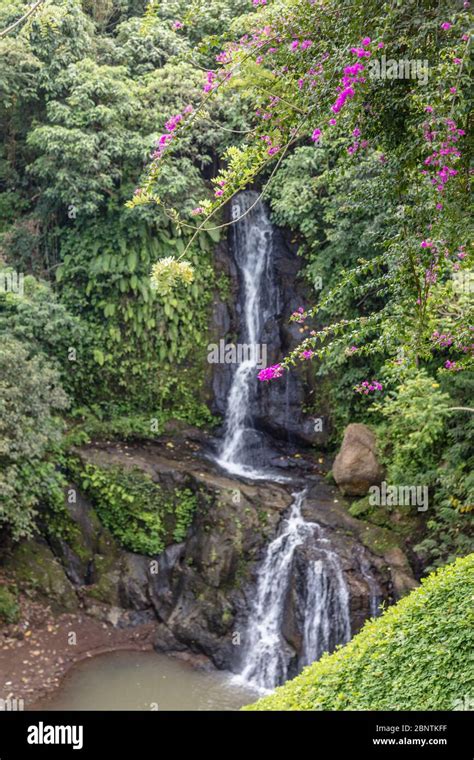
132 259
98 356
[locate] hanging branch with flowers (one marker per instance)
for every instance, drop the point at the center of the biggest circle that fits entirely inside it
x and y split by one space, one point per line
307 68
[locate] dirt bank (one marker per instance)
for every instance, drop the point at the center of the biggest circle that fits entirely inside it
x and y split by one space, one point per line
39 650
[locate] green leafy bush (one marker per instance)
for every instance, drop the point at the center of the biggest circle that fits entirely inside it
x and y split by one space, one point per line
425 439
9 609
138 512
414 657
30 398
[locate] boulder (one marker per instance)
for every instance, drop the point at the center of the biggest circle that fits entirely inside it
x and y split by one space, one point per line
356 466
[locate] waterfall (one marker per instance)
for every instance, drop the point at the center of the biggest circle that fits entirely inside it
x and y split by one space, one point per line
326 622
252 249
325 603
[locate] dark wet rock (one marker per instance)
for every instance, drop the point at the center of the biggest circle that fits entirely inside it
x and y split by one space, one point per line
356 466
39 573
277 407
134 581
200 591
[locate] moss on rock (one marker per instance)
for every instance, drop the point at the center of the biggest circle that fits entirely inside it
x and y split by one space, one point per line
37 571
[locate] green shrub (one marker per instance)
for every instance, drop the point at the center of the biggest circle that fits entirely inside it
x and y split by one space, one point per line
30 432
414 657
142 516
9 609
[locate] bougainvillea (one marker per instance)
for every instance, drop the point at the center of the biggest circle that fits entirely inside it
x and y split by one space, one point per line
313 73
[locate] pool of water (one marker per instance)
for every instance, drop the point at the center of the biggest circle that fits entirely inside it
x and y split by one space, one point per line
146 681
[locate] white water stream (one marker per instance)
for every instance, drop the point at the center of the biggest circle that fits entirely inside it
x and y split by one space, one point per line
267 656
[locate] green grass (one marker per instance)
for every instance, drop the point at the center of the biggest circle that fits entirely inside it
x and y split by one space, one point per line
419 655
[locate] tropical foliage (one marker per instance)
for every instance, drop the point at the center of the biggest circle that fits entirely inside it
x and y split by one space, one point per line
413 655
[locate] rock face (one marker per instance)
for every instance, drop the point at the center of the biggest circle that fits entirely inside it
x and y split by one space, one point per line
200 591
356 467
277 407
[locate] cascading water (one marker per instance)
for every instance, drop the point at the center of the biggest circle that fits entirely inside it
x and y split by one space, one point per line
325 602
252 248
325 610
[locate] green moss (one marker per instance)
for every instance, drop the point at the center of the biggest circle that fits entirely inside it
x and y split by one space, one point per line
9 609
37 571
386 529
414 657
139 513
227 617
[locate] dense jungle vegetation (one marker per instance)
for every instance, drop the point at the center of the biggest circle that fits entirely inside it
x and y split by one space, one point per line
90 348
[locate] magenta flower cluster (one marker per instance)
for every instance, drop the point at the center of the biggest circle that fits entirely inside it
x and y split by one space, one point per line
352 76
171 126
299 315
270 373
442 159
367 387
442 339
452 366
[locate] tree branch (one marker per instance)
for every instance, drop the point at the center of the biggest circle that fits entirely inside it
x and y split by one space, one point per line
20 20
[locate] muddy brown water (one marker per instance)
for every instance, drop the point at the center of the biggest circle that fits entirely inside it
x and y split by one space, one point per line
145 681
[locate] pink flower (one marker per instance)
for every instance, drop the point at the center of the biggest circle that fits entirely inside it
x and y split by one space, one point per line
452 366
197 210
446 26
352 349
270 373
366 41
332 122
210 77
365 387
177 25
316 135
299 316
453 90
308 354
